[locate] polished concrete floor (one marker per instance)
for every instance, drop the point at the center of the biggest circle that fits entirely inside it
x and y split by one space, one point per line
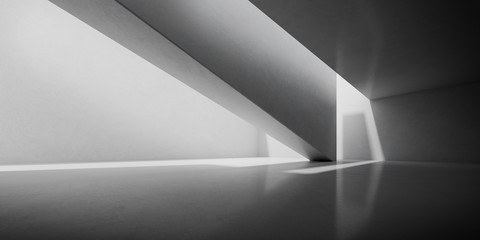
291 200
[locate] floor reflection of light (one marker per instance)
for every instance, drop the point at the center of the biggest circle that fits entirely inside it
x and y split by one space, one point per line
339 165
353 211
225 162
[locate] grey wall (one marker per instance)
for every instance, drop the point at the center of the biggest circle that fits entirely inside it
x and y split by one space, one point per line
255 56
270 147
70 94
356 144
434 125
357 134
386 48
302 123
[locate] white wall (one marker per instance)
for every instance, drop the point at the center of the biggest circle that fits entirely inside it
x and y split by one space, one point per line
70 94
357 135
271 147
257 58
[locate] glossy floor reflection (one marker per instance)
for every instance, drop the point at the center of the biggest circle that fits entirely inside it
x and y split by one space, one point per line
380 200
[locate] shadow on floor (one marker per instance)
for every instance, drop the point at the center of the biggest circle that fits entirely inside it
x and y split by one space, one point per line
385 200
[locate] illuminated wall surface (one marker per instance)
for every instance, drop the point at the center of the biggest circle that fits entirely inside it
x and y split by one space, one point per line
278 86
70 94
357 135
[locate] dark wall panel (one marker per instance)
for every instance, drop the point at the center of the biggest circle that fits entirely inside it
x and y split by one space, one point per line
386 48
435 125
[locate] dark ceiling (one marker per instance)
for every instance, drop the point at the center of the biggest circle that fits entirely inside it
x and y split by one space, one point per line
386 48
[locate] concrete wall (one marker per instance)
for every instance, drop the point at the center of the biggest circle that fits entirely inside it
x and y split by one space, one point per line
271 147
434 125
357 135
116 22
356 144
70 94
255 56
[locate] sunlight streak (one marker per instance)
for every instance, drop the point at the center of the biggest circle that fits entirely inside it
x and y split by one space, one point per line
349 102
224 162
322 169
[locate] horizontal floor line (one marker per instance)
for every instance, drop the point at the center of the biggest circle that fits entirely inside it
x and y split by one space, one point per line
329 168
225 162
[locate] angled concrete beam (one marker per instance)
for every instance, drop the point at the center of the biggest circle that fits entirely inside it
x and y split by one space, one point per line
233 54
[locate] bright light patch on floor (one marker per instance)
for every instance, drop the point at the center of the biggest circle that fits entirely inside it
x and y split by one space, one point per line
224 162
330 168
351 101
